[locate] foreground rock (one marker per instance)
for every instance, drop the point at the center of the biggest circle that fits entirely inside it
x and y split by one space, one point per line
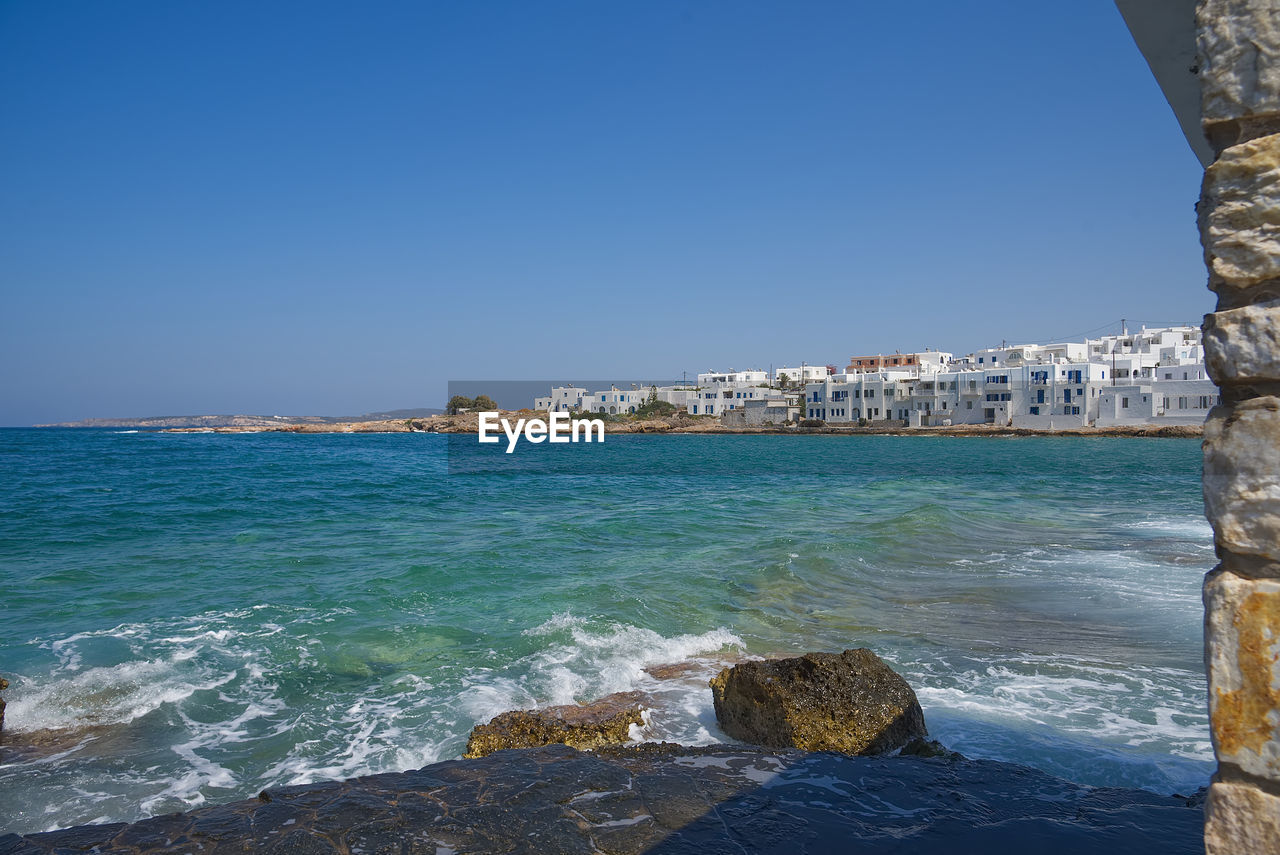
667 799
849 702
4 684
605 722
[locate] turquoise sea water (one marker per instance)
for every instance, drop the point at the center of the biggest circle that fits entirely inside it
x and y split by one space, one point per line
189 618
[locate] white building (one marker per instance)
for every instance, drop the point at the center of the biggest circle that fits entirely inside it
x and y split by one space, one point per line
613 400
775 410
626 401
1149 377
562 399
734 378
716 399
719 392
863 395
804 374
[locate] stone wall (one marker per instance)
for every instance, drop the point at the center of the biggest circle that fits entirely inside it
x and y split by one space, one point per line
1239 218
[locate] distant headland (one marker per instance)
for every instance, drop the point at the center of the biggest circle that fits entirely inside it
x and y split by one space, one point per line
242 421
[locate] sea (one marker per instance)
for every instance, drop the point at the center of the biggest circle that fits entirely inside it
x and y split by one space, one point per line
189 618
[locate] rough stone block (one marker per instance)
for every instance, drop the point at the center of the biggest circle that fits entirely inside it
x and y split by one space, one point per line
851 702
1238 45
1242 657
1243 345
607 721
1242 476
1240 214
1239 818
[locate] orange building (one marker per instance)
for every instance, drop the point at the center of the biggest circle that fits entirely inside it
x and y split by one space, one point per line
860 364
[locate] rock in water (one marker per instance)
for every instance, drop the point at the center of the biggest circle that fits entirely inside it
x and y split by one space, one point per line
605 722
4 684
849 702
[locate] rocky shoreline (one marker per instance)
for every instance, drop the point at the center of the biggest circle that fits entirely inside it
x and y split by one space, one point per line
847 763
662 798
683 424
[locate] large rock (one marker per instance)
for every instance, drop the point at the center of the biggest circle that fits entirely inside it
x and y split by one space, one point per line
4 684
605 722
849 702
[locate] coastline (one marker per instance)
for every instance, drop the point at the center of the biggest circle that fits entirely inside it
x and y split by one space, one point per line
467 423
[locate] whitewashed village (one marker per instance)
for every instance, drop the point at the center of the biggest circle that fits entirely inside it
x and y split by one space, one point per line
1148 377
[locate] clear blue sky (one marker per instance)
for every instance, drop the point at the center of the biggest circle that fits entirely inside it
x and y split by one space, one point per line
331 208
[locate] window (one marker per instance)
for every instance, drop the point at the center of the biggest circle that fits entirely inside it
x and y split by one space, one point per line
1124 403
968 405
1035 411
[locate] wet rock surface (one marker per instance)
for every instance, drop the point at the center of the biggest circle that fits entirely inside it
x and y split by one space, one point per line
607 721
851 702
4 684
667 799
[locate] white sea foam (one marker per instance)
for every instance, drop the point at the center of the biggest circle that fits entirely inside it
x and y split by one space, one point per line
1042 710
1192 528
103 696
583 660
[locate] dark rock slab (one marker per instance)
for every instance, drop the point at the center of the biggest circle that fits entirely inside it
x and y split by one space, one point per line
665 799
604 722
851 702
